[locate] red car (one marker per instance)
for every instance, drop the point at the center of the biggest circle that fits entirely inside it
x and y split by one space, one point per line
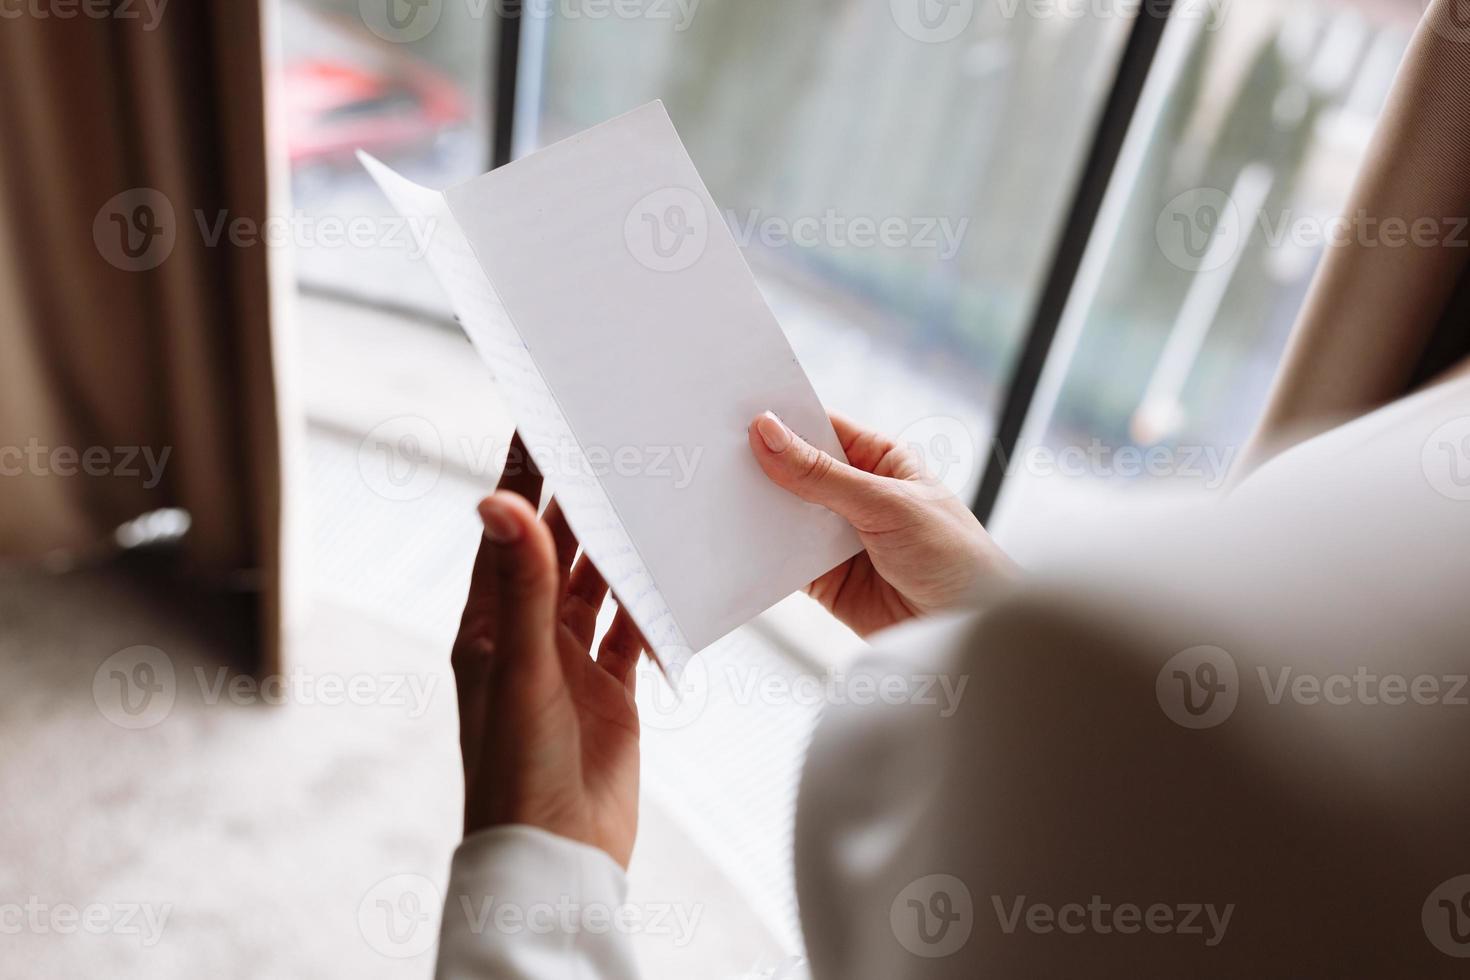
342 91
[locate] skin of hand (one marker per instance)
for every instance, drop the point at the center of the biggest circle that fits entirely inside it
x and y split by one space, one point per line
923 550
549 735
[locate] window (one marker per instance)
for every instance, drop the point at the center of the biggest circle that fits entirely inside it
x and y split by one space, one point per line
414 97
1240 158
896 173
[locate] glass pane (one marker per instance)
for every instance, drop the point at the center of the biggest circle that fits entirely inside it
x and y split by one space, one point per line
895 171
409 89
1239 163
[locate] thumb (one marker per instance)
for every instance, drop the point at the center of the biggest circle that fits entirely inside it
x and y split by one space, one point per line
526 582
795 465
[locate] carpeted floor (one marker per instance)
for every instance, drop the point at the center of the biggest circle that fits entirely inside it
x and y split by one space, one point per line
214 832
230 837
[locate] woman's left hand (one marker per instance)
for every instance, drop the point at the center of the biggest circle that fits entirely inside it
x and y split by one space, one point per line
549 735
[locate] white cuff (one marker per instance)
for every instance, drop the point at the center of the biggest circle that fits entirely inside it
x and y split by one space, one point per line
524 903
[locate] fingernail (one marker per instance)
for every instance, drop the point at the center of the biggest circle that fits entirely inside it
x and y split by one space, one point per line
773 432
500 527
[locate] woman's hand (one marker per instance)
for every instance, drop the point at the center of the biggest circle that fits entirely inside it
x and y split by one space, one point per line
925 551
549 736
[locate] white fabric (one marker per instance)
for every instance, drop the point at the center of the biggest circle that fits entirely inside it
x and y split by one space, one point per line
525 903
1307 831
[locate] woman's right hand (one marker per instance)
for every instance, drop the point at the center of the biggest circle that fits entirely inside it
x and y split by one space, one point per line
924 551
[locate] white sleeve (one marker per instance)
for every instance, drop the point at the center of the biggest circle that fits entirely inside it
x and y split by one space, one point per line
524 904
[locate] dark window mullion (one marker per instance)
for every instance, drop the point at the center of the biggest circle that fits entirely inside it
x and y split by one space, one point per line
507 64
1097 174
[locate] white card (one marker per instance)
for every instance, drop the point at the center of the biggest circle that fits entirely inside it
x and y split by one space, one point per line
628 336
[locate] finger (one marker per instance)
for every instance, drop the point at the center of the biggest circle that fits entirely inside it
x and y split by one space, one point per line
472 656
873 452
522 564
520 474
829 584
470 663
852 435
847 430
585 591
618 654
562 536
797 466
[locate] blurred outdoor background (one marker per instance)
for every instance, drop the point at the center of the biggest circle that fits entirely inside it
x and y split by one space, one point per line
823 108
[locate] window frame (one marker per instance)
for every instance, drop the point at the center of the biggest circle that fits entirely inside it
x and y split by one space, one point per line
1100 166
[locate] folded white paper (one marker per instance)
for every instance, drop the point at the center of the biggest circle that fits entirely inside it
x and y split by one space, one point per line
628 336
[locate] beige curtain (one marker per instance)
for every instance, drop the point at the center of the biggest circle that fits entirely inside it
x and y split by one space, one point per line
126 335
1383 319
